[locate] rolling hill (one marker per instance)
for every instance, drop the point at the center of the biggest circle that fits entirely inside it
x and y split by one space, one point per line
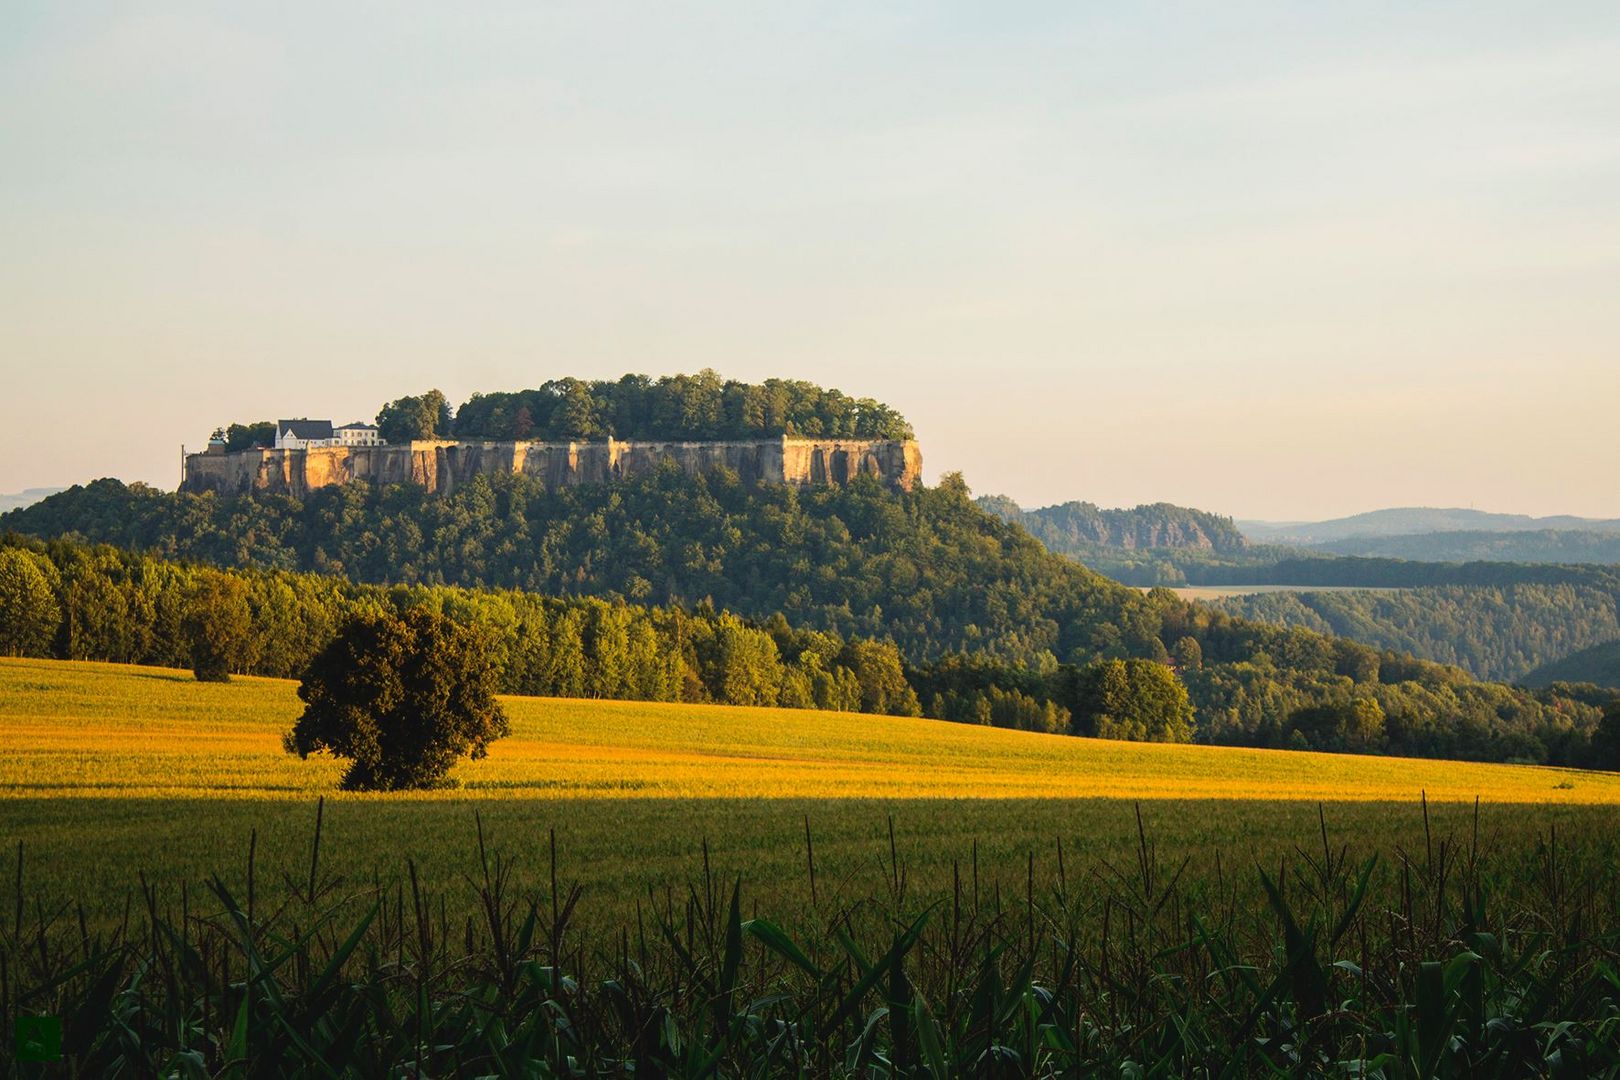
132 732
1409 521
1599 665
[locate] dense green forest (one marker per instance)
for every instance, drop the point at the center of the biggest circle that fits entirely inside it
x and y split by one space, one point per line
81 602
1599 665
1075 527
1496 632
925 569
990 625
701 406
675 407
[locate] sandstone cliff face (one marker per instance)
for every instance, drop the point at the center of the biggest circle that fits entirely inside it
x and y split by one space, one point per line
1070 527
440 466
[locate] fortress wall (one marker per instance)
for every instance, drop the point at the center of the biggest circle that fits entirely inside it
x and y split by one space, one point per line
441 465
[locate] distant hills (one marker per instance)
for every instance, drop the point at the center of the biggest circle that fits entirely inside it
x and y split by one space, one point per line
1528 546
1138 544
1502 601
1411 521
16 500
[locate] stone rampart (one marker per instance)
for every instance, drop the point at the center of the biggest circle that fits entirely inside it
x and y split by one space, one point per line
441 465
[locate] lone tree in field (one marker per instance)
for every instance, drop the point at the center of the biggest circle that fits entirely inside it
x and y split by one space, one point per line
403 698
219 628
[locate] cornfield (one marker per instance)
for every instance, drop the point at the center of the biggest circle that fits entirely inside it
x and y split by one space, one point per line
1451 959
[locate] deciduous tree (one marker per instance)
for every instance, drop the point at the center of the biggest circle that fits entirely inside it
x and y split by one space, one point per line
402 698
219 627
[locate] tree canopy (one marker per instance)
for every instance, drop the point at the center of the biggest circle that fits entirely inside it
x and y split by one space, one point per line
676 407
1133 699
29 614
700 407
425 416
403 698
219 628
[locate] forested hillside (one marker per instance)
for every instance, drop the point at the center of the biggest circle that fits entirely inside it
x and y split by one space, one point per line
1076 528
1497 619
926 570
1496 632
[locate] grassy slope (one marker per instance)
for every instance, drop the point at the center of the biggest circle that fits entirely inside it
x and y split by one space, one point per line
80 729
115 771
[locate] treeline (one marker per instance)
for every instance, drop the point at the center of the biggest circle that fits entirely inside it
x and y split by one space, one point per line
1074 528
72 601
682 407
701 407
925 570
78 602
1496 632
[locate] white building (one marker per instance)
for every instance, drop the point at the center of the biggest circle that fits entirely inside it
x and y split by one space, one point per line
309 434
357 434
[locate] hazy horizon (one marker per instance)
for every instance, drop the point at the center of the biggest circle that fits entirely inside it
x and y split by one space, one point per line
1280 263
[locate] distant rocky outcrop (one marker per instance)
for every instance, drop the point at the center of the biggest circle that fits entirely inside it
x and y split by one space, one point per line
1071 527
441 465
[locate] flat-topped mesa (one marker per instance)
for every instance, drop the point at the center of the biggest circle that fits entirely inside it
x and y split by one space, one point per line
440 465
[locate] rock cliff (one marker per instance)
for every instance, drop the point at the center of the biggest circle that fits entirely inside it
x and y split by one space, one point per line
440 465
1067 527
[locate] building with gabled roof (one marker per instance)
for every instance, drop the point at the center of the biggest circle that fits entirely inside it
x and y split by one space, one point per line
303 433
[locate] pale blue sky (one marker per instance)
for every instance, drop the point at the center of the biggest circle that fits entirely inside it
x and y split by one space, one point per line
1274 259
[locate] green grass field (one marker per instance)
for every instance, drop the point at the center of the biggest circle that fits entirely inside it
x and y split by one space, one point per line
113 771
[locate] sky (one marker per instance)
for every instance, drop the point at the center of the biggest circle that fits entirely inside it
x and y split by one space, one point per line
1278 260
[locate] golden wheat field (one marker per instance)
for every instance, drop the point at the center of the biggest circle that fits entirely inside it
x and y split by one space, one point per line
112 772
74 729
